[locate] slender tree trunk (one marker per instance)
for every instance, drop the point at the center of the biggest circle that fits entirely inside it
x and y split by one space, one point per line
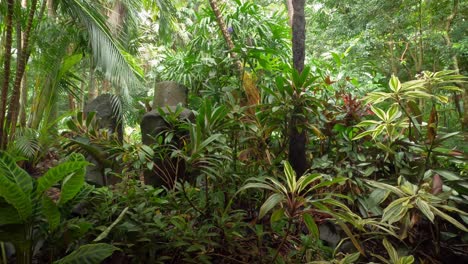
226 35
289 5
252 95
393 60
448 42
50 9
298 35
12 116
420 44
297 131
116 18
23 101
6 71
24 85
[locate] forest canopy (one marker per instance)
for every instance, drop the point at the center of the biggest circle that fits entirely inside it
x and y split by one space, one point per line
233 131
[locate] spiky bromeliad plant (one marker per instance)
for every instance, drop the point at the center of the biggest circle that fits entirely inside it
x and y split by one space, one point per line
24 205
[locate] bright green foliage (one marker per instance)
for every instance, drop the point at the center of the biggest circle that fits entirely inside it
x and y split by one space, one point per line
88 254
395 258
383 133
347 259
294 193
21 197
411 196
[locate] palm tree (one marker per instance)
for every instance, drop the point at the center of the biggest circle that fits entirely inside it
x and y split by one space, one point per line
108 53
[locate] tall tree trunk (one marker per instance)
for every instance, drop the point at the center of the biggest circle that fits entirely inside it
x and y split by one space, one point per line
116 17
24 85
420 62
448 43
6 71
289 5
298 35
252 95
226 35
50 9
12 116
297 132
23 101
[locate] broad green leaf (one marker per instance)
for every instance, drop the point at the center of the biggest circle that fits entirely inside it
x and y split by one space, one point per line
378 131
326 183
350 258
363 134
377 97
407 260
149 151
417 94
256 185
208 141
68 63
72 185
379 112
451 88
408 188
353 238
278 186
366 123
425 209
452 209
290 176
393 113
277 215
395 211
58 173
15 196
386 187
441 138
448 175
391 251
448 218
305 180
51 212
331 201
88 254
394 84
271 202
311 225
442 99
89 118
14 173
377 196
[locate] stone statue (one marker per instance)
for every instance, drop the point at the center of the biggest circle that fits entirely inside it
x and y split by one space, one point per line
167 96
108 119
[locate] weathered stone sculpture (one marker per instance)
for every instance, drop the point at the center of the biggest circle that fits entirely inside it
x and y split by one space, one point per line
106 119
167 96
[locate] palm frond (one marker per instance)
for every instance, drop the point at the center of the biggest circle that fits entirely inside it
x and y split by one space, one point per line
118 66
26 143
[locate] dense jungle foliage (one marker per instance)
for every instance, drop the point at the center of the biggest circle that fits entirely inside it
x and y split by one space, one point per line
319 131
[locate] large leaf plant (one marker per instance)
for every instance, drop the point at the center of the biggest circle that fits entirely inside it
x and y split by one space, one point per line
26 203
